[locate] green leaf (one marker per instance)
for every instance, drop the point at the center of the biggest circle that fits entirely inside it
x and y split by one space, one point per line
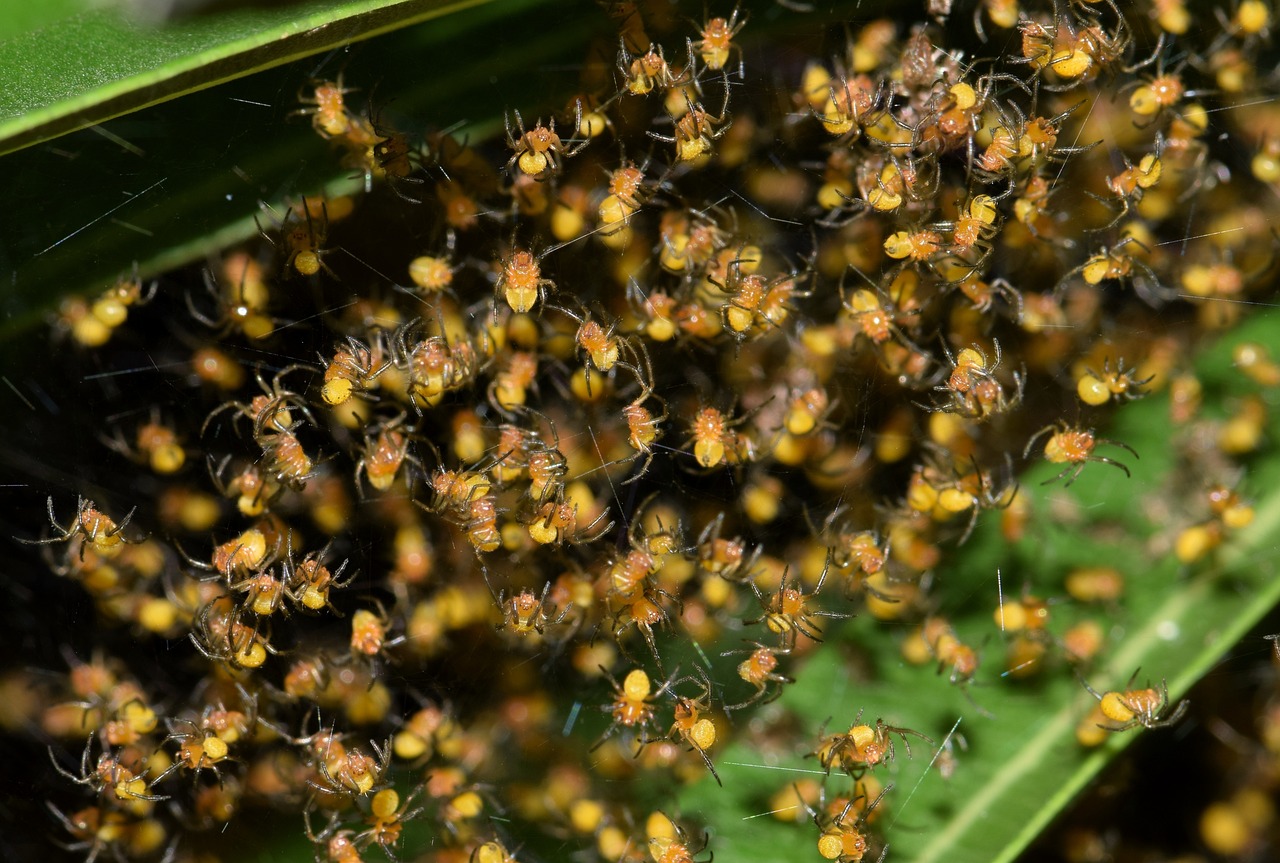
1023 764
120 64
179 181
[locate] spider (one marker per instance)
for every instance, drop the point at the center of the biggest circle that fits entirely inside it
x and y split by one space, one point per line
101 532
526 612
387 815
671 843
270 411
310 581
649 71
385 453
326 107
633 701
716 45
539 151
1116 263
1133 707
555 521
690 724
972 390
786 613
344 771
599 345
220 636
198 750
643 426
642 607
520 283
845 839
1073 447
354 369
1161 92
696 131
1118 383
728 558
109 773
241 300
760 669
96 829
304 240
863 747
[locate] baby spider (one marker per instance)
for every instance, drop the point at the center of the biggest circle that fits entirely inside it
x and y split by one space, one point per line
983 295
109 774
1116 263
326 107
1154 95
432 274
305 242
520 284
285 460
1119 383
643 427
271 411
242 295
333 845
670 843
953 656
760 669
220 636
525 612
640 606
1134 707
385 453
690 723
264 592
787 612
354 369
309 581
344 771
369 634
845 839
350 771
875 316
948 491
628 192
972 390
198 750
555 521
731 559
601 347
863 747
1073 447
695 131
95 527
1128 187
387 815
97 829
157 445
649 71
539 151
632 704
843 107
248 552
715 443
715 46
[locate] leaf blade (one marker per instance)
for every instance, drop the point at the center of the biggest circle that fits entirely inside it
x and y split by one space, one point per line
123 65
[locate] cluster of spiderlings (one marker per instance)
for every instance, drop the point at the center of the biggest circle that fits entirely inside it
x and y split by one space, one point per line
466 473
